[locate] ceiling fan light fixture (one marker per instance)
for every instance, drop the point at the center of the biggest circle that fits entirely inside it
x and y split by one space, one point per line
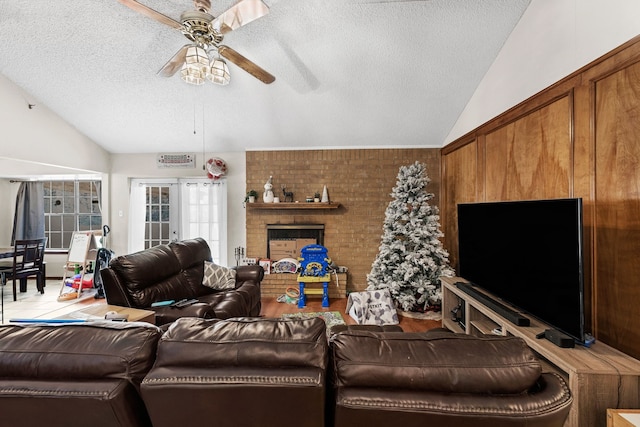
219 72
196 65
192 75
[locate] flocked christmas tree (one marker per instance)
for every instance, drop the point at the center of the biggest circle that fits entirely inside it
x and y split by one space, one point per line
411 258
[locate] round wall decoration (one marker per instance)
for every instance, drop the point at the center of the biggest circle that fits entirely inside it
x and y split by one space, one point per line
216 168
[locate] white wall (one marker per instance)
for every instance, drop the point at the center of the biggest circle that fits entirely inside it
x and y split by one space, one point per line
37 141
553 39
128 166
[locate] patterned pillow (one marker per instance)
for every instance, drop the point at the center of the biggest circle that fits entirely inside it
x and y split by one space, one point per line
218 277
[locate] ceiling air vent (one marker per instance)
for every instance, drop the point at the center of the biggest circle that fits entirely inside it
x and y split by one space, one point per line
176 160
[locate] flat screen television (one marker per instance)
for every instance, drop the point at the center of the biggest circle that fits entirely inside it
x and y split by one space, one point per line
528 254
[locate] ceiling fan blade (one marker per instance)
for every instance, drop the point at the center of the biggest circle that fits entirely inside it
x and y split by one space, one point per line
145 10
246 65
241 13
175 63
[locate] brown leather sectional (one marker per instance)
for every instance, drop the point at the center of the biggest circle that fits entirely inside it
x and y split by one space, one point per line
269 372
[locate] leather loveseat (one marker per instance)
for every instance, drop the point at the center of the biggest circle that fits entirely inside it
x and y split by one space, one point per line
443 379
174 272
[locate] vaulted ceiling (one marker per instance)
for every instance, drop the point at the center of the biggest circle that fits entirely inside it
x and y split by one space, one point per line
349 73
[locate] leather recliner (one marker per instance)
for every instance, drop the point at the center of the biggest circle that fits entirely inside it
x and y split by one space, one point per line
174 272
444 379
239 372
75 374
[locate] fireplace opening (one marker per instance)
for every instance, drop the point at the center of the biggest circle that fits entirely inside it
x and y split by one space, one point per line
286 240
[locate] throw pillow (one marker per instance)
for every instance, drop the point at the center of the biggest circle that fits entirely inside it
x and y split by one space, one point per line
218 277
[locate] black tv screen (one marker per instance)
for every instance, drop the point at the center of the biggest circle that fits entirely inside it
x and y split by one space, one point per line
528 254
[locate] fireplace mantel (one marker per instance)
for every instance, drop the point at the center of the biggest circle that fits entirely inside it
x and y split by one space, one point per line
288 205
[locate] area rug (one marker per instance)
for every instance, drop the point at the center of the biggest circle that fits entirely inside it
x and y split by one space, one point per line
331 318
427 315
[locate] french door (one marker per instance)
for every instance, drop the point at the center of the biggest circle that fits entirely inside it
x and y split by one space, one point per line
166 210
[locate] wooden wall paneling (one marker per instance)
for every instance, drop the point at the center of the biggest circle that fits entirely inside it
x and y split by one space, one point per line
617 208
460 173
530 158
583 166
580 137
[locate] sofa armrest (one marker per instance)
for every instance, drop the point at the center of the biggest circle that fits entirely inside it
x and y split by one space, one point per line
253 273
114 291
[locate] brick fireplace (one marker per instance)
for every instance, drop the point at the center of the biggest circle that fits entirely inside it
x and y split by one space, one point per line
359 180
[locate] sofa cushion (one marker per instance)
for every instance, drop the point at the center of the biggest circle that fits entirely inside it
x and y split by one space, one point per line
151 275
78 351
450 363
257 342
218 277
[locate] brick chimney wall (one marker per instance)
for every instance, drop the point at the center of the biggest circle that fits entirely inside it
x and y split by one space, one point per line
360 180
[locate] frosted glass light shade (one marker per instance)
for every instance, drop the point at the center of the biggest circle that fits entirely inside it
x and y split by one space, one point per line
195 66
219 72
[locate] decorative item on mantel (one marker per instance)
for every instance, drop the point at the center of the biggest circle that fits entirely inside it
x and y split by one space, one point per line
316 197
288 195
267 196
251 196
325 195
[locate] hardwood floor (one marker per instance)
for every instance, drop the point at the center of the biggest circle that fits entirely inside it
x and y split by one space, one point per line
272 308
32 304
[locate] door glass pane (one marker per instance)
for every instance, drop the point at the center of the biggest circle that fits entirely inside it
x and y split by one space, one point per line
158 219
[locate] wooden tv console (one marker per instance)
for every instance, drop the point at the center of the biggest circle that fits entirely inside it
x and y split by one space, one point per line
599 377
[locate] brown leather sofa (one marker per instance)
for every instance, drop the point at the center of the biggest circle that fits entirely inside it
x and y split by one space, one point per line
269 372
174 272
442 379
75 374
239 372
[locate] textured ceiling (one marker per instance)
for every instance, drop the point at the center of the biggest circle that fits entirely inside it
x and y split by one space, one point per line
349 73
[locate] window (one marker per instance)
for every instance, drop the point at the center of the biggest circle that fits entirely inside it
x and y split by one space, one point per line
204 214
159 228
70 206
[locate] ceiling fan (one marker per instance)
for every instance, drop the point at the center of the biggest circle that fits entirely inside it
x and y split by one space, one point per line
200 59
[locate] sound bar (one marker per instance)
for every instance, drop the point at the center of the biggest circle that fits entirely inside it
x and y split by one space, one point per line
559 339
501 309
